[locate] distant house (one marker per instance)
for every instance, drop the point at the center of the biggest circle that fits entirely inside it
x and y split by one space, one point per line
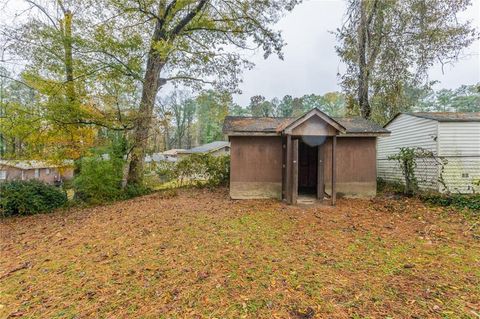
216 148
25 170
172 155
312 155
453 138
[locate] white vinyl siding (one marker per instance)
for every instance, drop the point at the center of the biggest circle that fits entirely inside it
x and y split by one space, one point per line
459 146
409 131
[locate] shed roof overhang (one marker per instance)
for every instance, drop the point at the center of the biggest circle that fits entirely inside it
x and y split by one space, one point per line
314 122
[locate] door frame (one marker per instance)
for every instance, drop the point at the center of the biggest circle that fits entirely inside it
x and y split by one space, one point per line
290 170
295 172
321 172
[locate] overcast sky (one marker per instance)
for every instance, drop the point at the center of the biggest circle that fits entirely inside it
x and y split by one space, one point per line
311 64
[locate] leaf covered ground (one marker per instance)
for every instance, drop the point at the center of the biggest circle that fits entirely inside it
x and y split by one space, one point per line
201 255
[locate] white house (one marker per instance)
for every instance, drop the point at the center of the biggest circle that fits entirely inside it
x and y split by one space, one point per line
453 138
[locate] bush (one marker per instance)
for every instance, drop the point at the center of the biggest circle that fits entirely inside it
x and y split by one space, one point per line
204 169
218 170
384 186
99 180
29 197
132 191
166 171
201 169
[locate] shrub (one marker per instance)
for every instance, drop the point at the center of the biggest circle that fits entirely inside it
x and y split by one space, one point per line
205 169
166 171
471 202
201 169
29 197
384 186
218 170
99 180
131 191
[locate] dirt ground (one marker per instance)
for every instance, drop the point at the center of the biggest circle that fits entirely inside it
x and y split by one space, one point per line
202 255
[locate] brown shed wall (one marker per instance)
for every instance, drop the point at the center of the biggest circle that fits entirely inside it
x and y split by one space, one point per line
256 167
356 166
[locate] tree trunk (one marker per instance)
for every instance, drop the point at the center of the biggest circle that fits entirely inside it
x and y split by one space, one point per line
166 135
189 134
144 119
67 45
151 85
363 72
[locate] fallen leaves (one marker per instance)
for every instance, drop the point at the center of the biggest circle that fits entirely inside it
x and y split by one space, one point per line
200 255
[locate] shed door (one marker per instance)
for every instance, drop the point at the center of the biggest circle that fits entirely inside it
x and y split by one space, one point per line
307 169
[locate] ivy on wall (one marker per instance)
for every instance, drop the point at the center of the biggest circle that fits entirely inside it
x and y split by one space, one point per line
408 158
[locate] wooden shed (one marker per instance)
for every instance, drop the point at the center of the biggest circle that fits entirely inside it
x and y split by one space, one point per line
314 155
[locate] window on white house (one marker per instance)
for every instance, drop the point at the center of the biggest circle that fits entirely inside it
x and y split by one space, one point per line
37 173
3 174
47 171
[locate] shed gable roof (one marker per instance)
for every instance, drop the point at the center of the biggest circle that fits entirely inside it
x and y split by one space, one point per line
240 125
310 114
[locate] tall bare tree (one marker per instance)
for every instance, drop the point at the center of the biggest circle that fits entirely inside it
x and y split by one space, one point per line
390 45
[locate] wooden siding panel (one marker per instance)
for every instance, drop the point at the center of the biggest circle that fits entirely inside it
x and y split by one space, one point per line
256 167
356 169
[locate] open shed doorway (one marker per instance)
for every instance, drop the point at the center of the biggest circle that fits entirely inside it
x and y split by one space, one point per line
307 169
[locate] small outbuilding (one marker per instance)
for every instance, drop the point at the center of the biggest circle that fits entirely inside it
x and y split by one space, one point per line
314 154
453 139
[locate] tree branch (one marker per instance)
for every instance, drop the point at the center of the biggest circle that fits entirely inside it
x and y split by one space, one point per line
189 17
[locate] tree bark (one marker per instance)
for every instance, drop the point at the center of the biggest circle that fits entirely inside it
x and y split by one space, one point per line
363 70
145 112
67 45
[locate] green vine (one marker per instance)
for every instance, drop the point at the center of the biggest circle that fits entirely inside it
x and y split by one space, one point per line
407 157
